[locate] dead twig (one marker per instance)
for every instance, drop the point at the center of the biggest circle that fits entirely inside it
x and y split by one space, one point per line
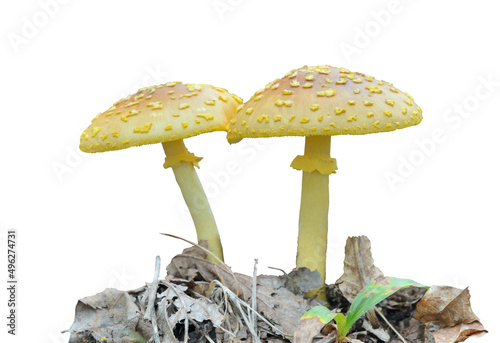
155 327
169 333
281 270
208 252
227 307
196 245
389 324
183 307
239 303
152 291
247 322
208 338
254 295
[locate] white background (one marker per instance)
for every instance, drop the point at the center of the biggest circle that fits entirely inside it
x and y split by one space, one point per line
87 222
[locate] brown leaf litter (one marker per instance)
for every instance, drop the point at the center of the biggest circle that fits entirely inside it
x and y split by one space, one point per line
448 313
201 302
397 324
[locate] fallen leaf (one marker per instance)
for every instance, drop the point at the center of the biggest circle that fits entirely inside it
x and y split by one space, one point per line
413 331
380 333
192 265
359 271
404 299
111 313
118 316
311 323
302 280
275 303
459 333
195 309
272 303
299 281
359 267
445 306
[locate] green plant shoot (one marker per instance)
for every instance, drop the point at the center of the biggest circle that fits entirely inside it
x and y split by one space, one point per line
368 297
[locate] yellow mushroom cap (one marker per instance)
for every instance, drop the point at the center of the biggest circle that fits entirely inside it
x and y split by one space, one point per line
324 100
162 113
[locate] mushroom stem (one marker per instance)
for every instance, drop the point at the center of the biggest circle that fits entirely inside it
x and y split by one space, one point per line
313 217
194 195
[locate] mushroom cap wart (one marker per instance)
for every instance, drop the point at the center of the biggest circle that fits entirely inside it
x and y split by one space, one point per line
324 100
162 113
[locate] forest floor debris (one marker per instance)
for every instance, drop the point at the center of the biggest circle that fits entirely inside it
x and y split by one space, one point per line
199 301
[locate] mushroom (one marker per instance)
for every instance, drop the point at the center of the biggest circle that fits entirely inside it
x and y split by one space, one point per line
167 114
319 102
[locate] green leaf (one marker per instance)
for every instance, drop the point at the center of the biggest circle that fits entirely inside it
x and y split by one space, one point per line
342 329
323 314
375 292
371 295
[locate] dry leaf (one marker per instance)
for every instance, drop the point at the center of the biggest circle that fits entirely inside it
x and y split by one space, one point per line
318 319
459 333
307 330
119 316
191 265
359 271
413 331
445 305
302 280
272 303
299 281
196 309
359 268
379 332
111 313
